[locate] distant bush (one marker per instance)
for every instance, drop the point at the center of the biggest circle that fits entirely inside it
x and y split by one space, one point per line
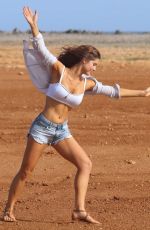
30 32
117 32
72 31
16 31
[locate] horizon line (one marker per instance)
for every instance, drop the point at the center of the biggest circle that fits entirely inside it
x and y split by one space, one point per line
75 31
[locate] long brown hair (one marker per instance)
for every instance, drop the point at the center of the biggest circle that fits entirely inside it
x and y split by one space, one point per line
73 55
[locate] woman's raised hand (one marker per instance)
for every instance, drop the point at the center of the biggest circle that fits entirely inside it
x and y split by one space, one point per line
31 17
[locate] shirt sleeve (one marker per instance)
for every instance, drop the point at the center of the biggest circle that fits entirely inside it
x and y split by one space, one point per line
39 45
99 88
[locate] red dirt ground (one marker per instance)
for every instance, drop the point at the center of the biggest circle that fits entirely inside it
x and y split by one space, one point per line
114 133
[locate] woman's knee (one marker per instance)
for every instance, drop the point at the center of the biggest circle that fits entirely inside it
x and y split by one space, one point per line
24 174
86 165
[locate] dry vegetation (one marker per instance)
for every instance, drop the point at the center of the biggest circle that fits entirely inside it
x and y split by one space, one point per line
122 47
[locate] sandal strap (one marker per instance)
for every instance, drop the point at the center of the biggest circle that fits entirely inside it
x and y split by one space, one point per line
78 210
84 217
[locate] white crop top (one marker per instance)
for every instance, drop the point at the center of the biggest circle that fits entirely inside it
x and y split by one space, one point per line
60 93
39 61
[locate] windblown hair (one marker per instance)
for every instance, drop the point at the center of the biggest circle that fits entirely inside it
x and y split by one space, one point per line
71 56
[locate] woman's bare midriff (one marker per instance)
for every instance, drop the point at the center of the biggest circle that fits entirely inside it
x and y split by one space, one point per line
55 111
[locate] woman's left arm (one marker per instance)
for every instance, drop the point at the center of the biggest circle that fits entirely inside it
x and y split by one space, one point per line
134 93
94 87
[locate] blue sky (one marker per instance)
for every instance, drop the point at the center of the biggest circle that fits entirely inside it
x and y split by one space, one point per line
101 15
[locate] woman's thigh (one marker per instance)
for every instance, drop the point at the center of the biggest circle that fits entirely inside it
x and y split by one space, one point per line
32 154
72 151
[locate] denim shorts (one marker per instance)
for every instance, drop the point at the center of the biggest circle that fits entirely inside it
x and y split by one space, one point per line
44 131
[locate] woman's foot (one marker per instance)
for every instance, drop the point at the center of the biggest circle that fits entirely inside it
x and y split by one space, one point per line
8 216
82 215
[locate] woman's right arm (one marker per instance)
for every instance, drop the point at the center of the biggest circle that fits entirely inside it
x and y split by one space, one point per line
48 58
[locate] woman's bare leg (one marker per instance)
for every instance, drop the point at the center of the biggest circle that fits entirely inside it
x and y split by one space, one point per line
32 154
72 151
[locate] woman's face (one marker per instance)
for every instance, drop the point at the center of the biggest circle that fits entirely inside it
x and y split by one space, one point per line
89 66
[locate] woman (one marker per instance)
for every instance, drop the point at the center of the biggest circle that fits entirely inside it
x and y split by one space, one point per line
70 80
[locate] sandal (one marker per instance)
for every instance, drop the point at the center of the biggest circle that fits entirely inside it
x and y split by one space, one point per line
8 217
82 215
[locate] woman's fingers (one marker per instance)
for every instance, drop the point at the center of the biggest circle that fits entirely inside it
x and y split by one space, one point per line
148 91
29 15
36 16
30 11
25 12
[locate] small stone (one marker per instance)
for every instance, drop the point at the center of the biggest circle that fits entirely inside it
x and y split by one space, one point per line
110 129
68 177
116 198
19 201
16 223
37 193
21 73
89 202
130 162
44 184
85 115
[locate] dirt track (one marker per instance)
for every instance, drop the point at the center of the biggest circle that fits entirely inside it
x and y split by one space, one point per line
116 136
